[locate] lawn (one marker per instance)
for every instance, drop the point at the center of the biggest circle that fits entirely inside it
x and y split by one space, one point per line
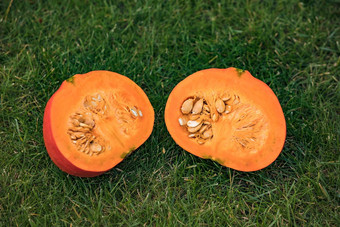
293 46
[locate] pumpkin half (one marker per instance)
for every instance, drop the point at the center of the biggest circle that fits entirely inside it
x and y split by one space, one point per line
228 116
94 120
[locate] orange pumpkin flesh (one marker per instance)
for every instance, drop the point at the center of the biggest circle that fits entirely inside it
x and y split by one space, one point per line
247 135
94 120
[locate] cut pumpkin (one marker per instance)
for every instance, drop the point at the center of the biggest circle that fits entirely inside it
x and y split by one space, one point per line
228 116
94 120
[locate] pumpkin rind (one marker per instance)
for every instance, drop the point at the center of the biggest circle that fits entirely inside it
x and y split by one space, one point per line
119 92
249 137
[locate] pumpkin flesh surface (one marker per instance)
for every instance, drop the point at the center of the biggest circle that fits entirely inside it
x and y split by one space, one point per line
95 120
240 125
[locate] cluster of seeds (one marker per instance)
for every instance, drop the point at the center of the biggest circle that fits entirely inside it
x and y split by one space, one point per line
96 104
81 134
199 114
82 124
126 115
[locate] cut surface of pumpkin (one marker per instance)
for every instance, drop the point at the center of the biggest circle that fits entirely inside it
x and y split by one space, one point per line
94 120
228 116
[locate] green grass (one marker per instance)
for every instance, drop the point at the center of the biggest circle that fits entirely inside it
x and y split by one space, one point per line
292 46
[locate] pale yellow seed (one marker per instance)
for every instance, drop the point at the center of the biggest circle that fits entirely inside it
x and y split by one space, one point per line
89 122
226 98
85 125
236 100
95 147
93 103
220 106
207 134
134 112
214 117
81 147
197 109
195 129
203 128
193 124
182 121
192 135
187 106
79 129
201 141
227 109
75 122
87 143
79 135
194 117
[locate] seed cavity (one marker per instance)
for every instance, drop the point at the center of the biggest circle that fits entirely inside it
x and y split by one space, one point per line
200 113
82 124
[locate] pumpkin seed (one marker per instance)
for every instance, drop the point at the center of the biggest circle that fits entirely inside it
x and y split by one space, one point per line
75 122
220 106
197 109
187 106
201 141
78 135
226 98
214 117
95 147
85 125
236 100
203 128
134 112
195 129
182 121
207 134
192 135
227 109
140 113
194 117
89 122
193 124
79 129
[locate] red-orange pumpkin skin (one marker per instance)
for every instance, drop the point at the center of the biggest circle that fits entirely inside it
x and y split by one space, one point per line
57 157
